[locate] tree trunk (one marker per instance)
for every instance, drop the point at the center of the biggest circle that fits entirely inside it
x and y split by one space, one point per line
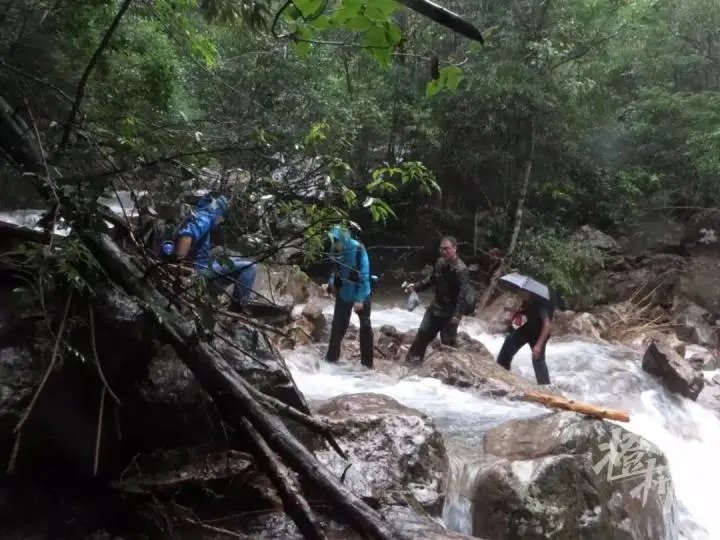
559 402
487 294
294 503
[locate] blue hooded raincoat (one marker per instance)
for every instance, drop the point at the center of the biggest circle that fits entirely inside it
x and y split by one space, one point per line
346 259
241 271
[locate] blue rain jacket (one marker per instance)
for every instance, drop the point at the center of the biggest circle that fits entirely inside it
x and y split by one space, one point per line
346 259
241 271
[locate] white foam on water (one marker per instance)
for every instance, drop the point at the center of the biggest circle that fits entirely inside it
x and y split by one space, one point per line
603 374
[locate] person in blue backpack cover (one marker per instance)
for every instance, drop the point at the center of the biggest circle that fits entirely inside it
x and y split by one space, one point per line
351 283
192 243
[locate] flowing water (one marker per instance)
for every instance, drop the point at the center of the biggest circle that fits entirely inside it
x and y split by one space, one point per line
610 375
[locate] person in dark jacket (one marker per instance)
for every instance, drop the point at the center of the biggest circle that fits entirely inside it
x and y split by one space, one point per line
350 281
538 313
453 299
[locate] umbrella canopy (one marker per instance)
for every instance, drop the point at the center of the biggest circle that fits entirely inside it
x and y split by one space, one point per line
527 284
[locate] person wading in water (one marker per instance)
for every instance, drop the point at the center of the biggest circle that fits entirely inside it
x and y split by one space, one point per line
454 297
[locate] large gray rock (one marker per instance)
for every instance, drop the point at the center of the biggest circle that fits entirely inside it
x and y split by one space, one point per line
20 373
396 454
702 359
471 365
285 284
545 478
170 408
700 283
590 237
694 323
676 374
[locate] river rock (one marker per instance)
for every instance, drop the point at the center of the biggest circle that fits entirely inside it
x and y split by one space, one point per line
547 477
700 283
701 358
20 372
578 324
313 313
590 237
401 519
674 371
169 407
646 280
396 453
710 395
693 323
285 284
471 365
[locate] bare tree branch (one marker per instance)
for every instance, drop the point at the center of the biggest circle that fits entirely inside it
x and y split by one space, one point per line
88 70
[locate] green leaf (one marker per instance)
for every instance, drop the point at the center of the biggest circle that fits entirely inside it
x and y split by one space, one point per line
302 48
359 23
452 75
375 40
375 37
322 22
433 87
393 33
308 7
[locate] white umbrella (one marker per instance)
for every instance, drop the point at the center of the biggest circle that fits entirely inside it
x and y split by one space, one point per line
527 284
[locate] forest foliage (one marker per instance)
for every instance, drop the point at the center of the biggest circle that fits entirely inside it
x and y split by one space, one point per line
310 111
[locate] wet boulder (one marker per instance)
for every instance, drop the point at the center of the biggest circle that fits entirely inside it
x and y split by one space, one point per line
169 407
313 313
578 324
675 373
710 395
702 359
20 373
285 284
593 238
471 365
396 455
401 519
694 323
551 477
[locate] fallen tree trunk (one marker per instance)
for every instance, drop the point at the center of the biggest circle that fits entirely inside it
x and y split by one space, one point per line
229 390
559 402
315 425
294 503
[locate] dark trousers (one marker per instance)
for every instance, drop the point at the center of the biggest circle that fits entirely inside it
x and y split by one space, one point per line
341 320
525 335
429 328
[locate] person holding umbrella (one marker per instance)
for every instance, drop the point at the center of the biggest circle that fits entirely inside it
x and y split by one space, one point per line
537 309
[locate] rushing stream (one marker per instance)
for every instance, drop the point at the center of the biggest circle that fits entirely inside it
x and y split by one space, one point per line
610 375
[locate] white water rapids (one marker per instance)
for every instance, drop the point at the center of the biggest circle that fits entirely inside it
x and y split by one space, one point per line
610 375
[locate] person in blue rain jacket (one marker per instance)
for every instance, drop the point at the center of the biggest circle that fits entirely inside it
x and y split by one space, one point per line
193 243
350 281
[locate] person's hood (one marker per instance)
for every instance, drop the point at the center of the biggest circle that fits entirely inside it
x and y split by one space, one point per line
215 206
339 233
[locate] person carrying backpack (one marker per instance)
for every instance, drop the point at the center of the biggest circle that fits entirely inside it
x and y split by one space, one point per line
351 283
192 243
454 297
